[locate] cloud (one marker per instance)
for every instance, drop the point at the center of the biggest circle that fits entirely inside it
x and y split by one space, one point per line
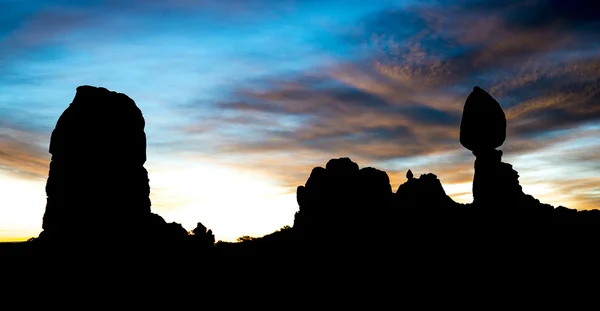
403 98
395 94
36 23
23 143
517 53
21 154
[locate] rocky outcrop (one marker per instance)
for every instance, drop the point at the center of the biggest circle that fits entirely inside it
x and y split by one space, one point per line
97 183
425 192
341 195
203 237
374 185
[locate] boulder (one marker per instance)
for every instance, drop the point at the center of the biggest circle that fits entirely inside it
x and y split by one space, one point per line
483 124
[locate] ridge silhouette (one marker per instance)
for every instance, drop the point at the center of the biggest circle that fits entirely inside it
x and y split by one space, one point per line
98 196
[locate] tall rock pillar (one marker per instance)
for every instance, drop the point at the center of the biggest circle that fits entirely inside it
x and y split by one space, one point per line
482 130
97 184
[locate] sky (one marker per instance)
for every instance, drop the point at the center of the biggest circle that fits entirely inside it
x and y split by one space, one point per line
243 98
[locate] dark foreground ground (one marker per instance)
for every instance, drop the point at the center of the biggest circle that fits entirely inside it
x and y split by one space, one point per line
443 267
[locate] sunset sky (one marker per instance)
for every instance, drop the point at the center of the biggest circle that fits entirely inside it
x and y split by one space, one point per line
243 98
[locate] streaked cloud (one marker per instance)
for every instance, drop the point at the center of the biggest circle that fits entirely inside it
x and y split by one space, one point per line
404 97
21 158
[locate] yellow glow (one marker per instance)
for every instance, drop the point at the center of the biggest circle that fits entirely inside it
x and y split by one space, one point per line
22 204
460 192
231 202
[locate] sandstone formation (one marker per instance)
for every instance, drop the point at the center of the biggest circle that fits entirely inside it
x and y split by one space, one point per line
425 192
482 130
202 236
483 124
97 183
340 195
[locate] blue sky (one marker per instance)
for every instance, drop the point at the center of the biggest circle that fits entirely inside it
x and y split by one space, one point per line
259 92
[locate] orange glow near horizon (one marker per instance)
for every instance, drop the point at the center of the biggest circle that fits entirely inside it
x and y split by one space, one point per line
253 205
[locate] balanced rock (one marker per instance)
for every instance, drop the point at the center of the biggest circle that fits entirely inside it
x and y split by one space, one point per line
483 124
97 183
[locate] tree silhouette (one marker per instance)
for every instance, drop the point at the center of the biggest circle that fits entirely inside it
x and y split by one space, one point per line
245 238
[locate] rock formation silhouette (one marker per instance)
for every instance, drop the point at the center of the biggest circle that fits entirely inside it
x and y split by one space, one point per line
202 236
97 178
482 130
483 123
425 192
98 191
341 195
97 187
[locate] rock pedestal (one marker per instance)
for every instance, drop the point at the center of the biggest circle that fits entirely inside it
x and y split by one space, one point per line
97 184
495 183
482 130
